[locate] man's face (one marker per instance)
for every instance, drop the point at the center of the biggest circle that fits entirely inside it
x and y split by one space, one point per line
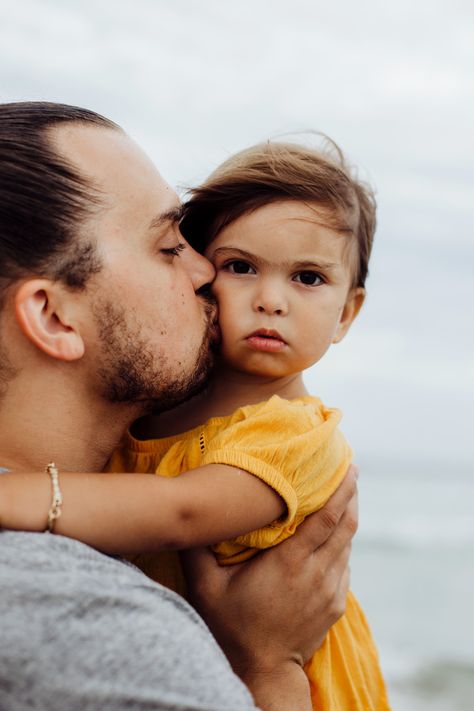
146 330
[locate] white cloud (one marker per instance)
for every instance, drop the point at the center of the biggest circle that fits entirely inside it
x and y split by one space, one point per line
391 82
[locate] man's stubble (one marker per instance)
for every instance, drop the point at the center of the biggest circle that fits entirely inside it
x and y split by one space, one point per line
131 372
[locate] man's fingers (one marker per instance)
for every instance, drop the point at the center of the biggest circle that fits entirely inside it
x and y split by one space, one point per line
340 540
319 527
337 504
333 564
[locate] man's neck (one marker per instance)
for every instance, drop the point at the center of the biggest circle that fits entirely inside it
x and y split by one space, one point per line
55 418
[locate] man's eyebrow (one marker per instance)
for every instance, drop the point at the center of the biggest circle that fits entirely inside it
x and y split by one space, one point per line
172 215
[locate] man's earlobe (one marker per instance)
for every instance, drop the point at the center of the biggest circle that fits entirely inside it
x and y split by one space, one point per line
42 312
353 305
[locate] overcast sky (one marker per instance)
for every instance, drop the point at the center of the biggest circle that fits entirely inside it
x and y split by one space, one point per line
392 83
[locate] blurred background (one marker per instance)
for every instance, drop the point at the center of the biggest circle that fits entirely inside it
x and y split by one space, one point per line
392 83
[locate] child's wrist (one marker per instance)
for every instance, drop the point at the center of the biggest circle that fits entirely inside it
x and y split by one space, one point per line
24 501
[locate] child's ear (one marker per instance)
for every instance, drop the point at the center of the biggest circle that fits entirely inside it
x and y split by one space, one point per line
353 305
45 313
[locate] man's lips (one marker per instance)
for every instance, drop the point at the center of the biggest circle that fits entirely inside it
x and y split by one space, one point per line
266 339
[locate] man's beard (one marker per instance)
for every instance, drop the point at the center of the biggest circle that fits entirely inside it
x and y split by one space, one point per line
132 373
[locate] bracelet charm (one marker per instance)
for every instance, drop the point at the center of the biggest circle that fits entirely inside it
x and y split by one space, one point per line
57 498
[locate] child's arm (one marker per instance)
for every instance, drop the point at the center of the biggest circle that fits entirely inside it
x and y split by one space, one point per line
131 513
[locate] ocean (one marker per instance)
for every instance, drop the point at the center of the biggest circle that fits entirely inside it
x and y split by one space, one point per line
413 571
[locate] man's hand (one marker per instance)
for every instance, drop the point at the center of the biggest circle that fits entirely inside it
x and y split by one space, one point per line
271 613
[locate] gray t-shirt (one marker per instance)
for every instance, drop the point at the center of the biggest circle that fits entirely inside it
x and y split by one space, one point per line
80 631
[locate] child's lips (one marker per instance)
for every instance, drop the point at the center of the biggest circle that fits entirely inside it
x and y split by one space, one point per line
266 339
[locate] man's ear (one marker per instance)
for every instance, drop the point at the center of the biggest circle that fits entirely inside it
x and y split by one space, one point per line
45 313
353 305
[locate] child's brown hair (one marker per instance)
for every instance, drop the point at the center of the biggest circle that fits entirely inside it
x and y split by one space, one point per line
274 171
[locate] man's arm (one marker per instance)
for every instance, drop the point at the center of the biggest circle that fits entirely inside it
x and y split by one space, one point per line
303 580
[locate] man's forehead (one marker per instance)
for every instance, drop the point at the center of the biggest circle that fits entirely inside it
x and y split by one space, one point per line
126 181
107 157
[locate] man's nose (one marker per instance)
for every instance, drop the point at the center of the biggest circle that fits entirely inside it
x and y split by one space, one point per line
199 268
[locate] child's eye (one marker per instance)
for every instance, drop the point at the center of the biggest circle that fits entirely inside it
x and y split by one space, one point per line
237 266
309 278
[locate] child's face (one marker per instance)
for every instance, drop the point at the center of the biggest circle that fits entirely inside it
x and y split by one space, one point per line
283 286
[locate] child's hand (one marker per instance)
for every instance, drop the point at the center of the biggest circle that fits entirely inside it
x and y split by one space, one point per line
274 611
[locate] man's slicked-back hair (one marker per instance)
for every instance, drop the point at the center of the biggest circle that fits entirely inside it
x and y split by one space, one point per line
275 171
43 199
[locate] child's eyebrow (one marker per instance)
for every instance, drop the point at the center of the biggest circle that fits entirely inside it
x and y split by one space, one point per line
311 264
303 264
236 251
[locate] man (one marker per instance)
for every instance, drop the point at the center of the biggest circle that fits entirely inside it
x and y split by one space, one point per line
102 320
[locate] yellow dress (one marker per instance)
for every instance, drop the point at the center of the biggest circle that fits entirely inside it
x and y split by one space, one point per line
296 448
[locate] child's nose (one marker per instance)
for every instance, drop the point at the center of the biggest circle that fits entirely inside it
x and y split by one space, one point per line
271 310
271 301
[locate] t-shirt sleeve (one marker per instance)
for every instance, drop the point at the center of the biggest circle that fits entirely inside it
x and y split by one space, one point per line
294 447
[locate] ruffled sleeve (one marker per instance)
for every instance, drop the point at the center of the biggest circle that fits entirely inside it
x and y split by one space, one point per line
294 447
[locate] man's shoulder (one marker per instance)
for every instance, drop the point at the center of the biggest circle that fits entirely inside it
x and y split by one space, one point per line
47 553
81 630
42 563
